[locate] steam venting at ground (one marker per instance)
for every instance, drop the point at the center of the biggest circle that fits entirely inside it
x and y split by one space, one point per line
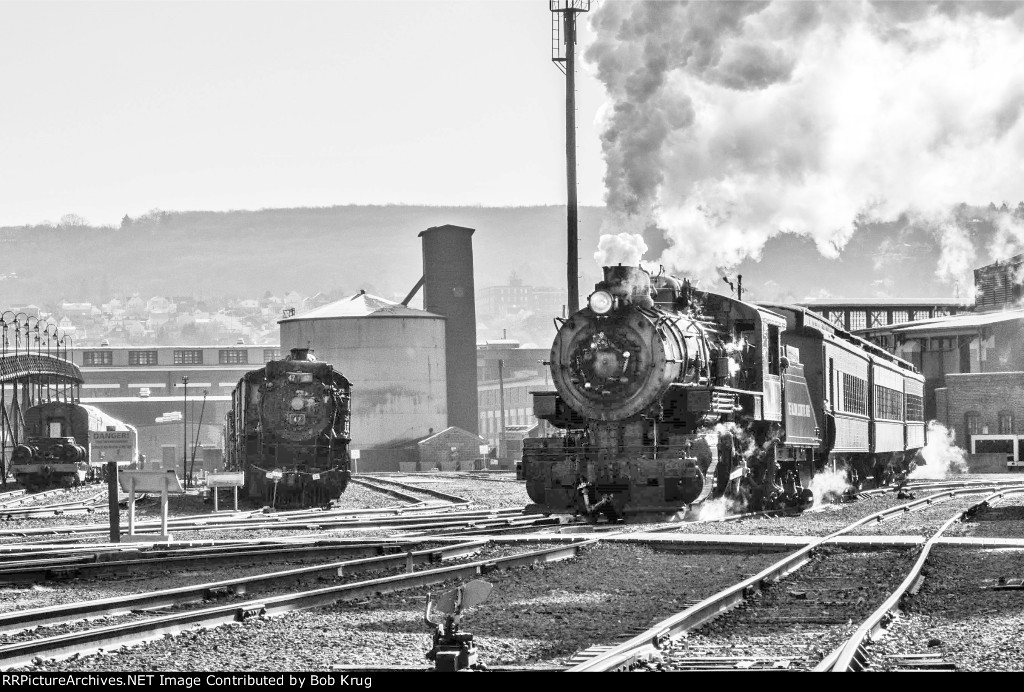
941 455
719 508
828 486
731 122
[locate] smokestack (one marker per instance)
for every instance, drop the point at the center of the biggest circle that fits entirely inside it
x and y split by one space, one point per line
448 291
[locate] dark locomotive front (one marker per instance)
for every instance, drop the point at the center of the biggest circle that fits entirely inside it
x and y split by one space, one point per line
289 430
665 396
61 439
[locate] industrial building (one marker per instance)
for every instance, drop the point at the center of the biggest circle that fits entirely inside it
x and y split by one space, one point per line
973 363
144 386
866 316
507 375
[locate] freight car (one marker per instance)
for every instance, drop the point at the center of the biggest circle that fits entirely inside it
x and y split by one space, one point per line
68 444
289 431
666 396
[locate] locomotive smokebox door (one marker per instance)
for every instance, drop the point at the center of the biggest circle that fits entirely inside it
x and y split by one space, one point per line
453 650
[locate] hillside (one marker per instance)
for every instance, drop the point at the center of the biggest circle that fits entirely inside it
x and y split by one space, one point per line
345 248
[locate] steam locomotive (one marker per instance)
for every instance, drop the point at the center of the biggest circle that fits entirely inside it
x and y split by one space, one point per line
666 396
69 444
288 429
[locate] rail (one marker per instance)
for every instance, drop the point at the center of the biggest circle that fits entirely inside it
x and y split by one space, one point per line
431 516
447 497
91 640
643 645
851 655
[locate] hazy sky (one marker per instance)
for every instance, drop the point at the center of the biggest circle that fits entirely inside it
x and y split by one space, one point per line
108 108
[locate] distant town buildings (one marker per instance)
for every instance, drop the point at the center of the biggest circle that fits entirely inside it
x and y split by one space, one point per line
515 298
138 320
506 376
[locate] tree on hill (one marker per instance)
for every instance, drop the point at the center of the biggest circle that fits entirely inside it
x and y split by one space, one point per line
72 221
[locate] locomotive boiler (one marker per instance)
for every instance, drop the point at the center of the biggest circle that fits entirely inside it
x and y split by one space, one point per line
666 396
289 431
69 444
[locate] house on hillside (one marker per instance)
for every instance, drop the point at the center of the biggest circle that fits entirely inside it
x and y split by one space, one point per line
135 306
160 304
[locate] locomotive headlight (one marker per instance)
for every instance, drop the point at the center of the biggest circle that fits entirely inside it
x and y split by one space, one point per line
600 302
297 403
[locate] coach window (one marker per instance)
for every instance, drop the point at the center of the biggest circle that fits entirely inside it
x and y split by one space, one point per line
773 350
1005 423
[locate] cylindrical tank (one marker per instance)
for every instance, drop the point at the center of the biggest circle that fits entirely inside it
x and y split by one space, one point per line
394 356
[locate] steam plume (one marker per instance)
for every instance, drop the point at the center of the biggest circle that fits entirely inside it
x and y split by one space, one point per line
623 248
731 122
828 485
941 454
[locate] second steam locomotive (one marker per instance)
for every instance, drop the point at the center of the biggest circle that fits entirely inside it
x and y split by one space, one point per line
289 430
666 396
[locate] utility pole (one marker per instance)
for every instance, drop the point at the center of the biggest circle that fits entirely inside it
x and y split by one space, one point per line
501 403
184 427
568 9
195 439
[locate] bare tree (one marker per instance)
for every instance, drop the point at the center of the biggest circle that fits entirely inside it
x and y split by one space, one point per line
72 221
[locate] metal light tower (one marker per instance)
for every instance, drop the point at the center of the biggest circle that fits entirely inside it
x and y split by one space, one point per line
563 54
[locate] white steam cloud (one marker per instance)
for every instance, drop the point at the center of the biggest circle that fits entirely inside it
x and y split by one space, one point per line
941 455
828 486
732 122
719 508
622 248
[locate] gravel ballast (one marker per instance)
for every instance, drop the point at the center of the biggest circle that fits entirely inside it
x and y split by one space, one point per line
540 614
545 614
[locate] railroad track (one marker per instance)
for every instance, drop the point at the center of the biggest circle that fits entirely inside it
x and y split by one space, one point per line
853 655
425 516
930 485
91 565
10 495
447 497
847 600
20 497
133 631
87 505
